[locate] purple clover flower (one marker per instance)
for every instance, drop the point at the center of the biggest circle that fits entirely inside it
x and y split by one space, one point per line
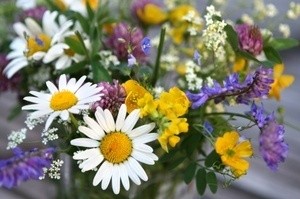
250 38
7 84
255 85
125 40
271 141
24 166
114 96
36 13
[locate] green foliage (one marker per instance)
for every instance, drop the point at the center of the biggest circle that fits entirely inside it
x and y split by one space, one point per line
272 55
201 181
212 181
283 43
189 173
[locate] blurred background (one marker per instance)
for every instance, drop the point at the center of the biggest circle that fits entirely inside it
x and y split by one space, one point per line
259 183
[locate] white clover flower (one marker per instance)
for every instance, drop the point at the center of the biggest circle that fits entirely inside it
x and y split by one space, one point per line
285 30
117 147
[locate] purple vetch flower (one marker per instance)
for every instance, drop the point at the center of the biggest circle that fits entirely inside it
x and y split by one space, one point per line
146 45
7 84
24 165
131 60
271 144
250 38
197 57
271 141
125 40
36 13
114 95
255 85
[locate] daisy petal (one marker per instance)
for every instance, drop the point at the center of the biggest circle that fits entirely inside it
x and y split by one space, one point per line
109 120
89 132
145 129
146 138
81 155
141 157
101 173
132 175
107 176
94 126
121 117
85 142
137 168
130 121
91 163
116 179
124 176
50 119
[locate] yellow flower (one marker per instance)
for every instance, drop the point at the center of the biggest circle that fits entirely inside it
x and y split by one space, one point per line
239 64
280 81
134 92
170 135
232 152
180 24
151 14
148 105
174 103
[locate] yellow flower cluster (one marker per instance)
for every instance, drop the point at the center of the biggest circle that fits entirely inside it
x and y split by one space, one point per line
164 111
182 18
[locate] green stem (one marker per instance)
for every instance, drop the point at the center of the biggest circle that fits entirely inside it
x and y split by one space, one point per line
82 43
74 121
230 114
159 52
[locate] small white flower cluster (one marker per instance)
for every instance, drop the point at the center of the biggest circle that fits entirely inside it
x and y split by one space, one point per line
262 10
32 123
214 35
170 59
194 21
49 135
285 30
54 170
108 59
157 91
16 138
41 76
247 19
193 81
294 11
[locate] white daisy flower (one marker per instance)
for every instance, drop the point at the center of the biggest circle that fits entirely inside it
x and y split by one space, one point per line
26 4
69 97
34 41
64 55
116 147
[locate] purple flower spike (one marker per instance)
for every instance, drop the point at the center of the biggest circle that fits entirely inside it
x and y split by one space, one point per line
24 165
146 45
250 38
256 85
114 96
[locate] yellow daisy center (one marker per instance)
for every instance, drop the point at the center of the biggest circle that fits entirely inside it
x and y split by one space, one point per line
38 43
116 147
63 100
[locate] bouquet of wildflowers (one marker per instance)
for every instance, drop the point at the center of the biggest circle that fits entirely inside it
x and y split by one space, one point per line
140 93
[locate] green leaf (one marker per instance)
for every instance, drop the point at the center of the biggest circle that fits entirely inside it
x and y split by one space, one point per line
212 159
232 37
191 142
201 181
189 173
99 72
272 54
75 45
212 182
74 68
83 22
283 43
169 156
176 162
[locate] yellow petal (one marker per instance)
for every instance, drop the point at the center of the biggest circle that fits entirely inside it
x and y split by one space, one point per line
285 81
228 141
236 163
278 70
244 149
